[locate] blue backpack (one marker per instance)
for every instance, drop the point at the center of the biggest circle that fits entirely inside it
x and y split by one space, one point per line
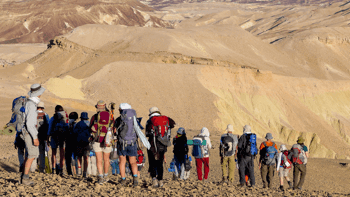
251 149
198 147
270 154
172 166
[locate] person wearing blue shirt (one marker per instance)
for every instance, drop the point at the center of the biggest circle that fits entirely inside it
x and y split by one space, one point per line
82 131
58 127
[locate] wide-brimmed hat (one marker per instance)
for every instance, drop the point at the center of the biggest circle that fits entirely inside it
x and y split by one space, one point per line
300 140
100 105
41 105
124 106
84 115
229 128
153 110
36 90
268 136
283 147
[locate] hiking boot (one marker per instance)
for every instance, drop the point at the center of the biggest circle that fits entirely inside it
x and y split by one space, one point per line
264 186
79 172
161 184
224 179
135 181
155 182
281 188
174 177
123 182
27 181
240 185
100 180
290 185
205 181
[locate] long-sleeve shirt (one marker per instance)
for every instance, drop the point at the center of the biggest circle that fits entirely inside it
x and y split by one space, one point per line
31 119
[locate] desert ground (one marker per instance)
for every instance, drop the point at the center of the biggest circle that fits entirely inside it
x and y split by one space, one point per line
280 67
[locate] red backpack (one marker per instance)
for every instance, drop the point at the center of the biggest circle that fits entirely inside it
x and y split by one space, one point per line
161 129
140 156
285 162
102 123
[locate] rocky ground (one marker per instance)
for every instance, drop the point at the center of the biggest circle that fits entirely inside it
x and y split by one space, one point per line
325 177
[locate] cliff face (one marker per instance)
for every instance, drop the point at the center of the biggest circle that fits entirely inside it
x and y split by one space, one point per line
287 107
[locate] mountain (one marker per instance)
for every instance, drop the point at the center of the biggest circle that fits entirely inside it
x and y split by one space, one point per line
36 21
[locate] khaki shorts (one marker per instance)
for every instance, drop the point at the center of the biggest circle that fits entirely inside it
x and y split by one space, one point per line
33 151
283 172
97 148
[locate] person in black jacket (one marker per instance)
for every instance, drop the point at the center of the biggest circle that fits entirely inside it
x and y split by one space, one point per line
245 161
158 145
180 151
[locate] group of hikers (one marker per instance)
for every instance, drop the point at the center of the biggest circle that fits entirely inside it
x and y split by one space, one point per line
118 142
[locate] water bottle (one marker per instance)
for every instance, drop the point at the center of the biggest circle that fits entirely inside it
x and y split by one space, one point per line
108 138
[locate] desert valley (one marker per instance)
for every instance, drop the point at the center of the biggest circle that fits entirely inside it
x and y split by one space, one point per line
281 67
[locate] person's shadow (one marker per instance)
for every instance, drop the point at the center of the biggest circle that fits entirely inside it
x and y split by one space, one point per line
8 168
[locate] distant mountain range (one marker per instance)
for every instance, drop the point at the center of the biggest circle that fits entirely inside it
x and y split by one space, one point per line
37 21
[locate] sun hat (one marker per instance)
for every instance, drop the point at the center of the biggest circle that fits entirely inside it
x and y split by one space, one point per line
247 129
36 90
41 105
124 106
153 110
300 140
84 115
283 147
181 131
100 104
268 136
229 128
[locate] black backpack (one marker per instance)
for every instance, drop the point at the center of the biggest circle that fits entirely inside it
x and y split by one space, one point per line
188 166
228 145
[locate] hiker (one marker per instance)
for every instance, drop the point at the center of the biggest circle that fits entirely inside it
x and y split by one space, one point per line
100 124
228 154
82 133
158 129
42 127
201 153
298 156
58 127
29 131
247 151
188 167
125 128
284 167
180 151
71 142
267 160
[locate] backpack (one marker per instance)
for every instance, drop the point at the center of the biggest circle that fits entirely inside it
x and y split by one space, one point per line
103 122
59 126
298 154
172 166
199 150
140 157
187 164
161 129
42 126
269 153
228 144
250 148
126 132
285 162
18 110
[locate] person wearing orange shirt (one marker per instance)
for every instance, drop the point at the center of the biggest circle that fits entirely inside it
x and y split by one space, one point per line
268 160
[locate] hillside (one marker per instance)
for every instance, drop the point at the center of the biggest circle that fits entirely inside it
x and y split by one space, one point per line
36 21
